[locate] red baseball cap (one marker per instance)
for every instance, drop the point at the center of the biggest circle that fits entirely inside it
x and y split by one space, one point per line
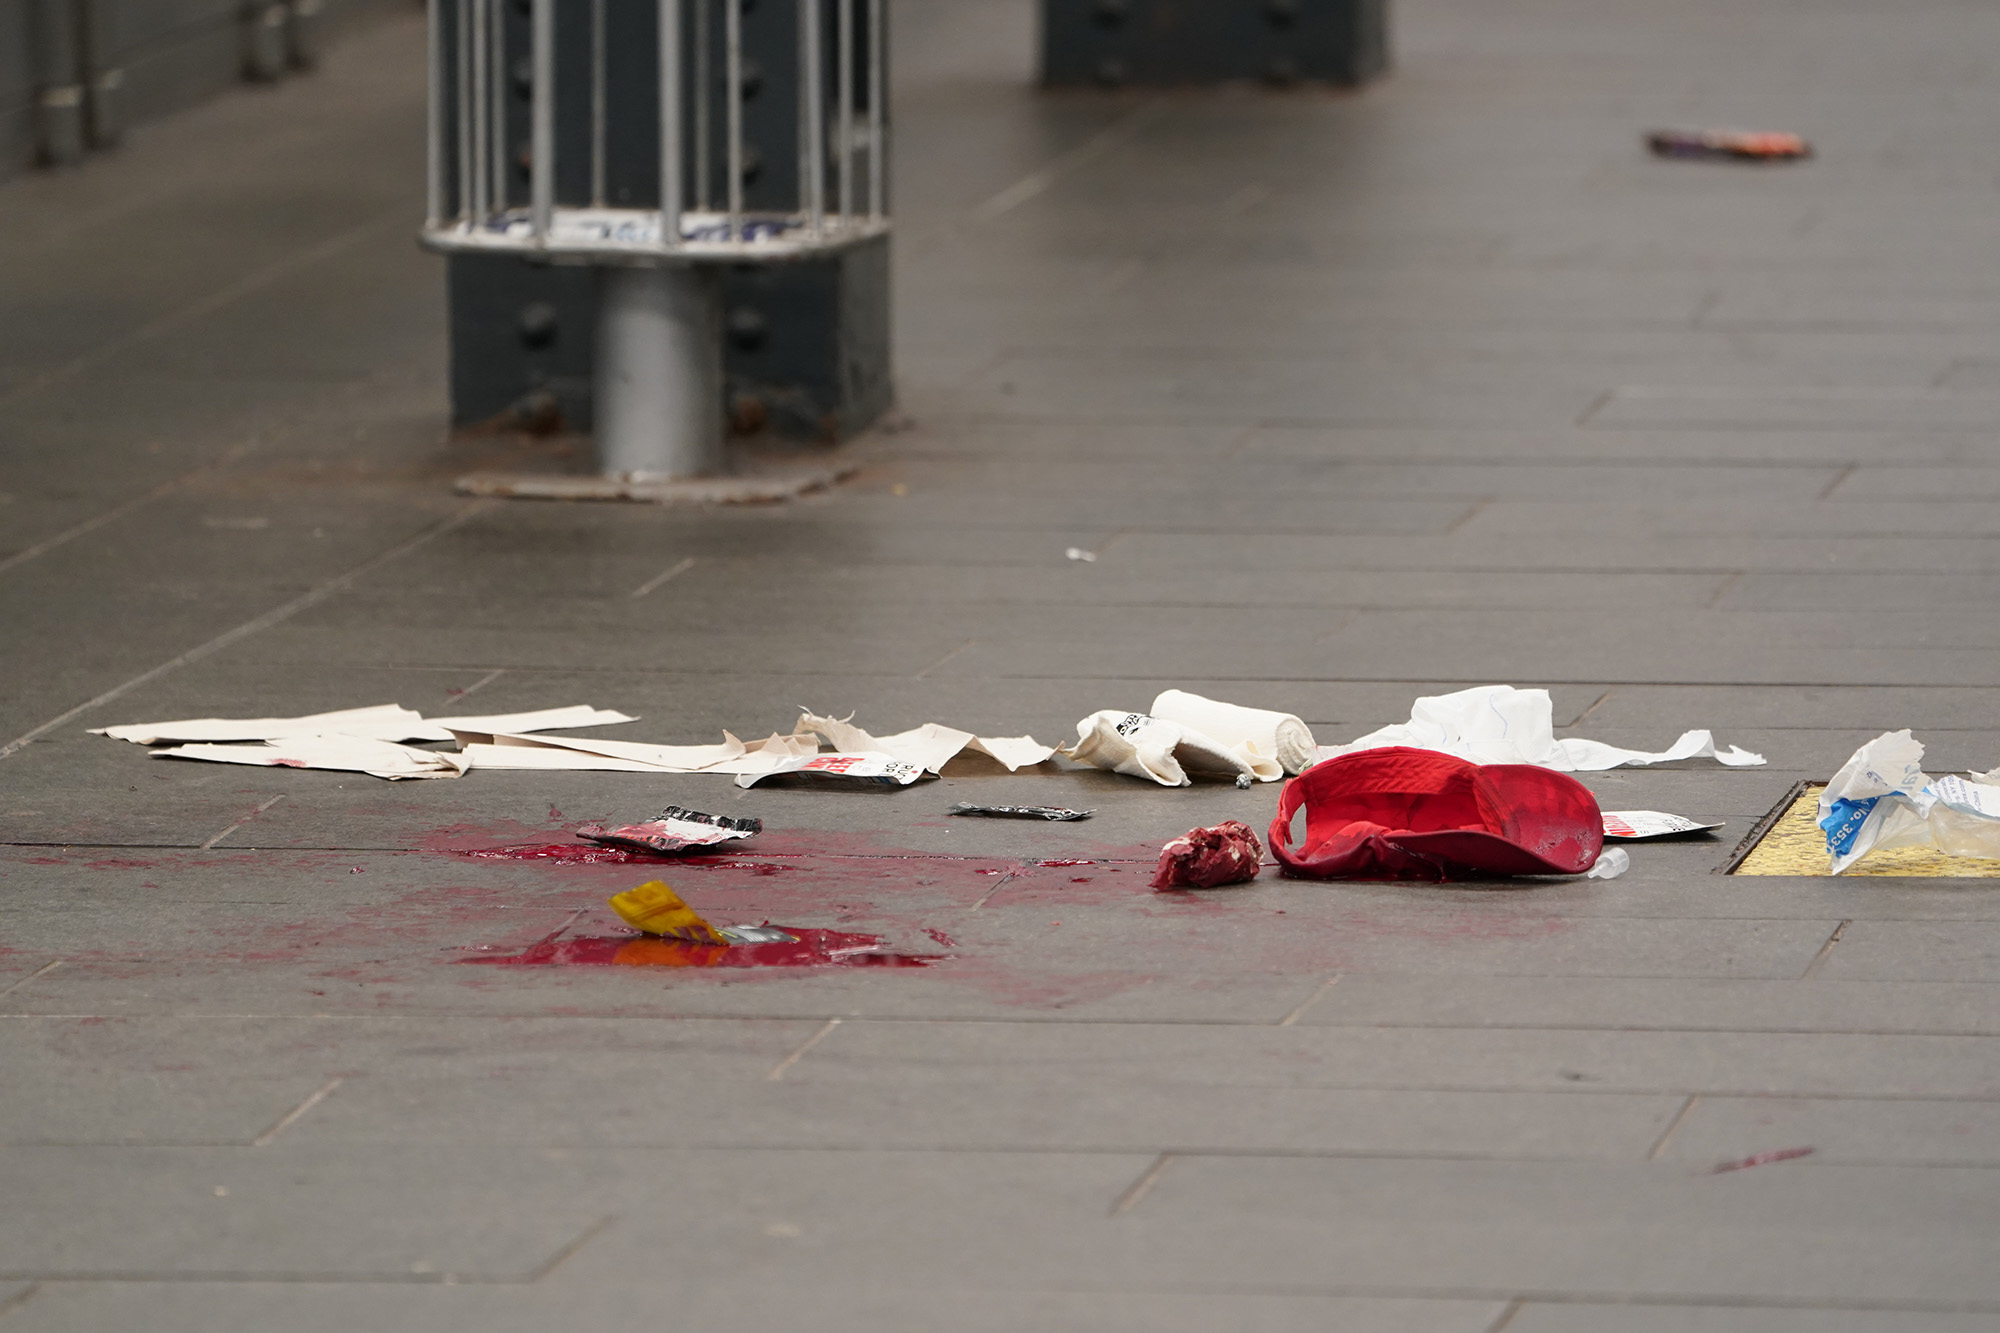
1402 813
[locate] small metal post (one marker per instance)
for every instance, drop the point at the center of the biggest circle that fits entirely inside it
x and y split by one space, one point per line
542 139
732 75
844 84
878 147
658 380
598 124
670 124
812 120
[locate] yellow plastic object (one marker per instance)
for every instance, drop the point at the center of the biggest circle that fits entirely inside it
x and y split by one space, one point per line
658 910
1796 845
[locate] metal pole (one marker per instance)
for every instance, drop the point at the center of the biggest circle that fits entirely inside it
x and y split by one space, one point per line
812 124
476 111
597 103
878 148
732 74
844 45
434 115
497 135
670 124
542 143
657 387
704 93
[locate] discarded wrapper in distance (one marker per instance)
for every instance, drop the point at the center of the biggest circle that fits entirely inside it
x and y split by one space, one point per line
1050 812
1402 813
658 910
675 830
1640 825
1740 145
1206 858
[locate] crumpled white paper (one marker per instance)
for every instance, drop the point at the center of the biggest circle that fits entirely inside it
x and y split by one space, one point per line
1882 798
382 722
1498 724
1143 746
1272 743
930 746
348 754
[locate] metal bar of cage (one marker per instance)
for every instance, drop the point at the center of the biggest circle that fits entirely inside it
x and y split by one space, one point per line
844 90
479 111
704 92
812 127
877 50
732 27
496 80
542 135
434 116
670 124
599 120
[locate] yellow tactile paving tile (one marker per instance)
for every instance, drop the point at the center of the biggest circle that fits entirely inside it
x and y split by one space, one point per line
1795 845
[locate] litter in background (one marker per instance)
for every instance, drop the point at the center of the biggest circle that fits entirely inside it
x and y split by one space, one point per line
1415 814
1610 864
1498 724
1049 812
1736 145
1642 825
1259 735
337 753
1882 798
1207 858
542 753
674 830
1078 553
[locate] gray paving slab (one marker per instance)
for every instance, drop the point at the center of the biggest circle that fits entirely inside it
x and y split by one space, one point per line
1725 1130
1539 1317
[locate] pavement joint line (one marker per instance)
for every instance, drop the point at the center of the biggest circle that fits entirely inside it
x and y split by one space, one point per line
207 305
1673 1127
998 884
1507 1315
1298 1012
946 658
482 682
588 1234
1040 181
1839 479
290 1117
1825 951
240 823
43 970
18 1299
673 571
116 512
777 1074
275 616
1141 1187
1596 703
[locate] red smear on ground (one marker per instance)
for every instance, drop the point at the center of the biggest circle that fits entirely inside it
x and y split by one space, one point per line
813 948
1760 1159
942 938
564 853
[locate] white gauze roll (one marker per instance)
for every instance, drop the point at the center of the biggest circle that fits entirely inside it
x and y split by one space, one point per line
1273 743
